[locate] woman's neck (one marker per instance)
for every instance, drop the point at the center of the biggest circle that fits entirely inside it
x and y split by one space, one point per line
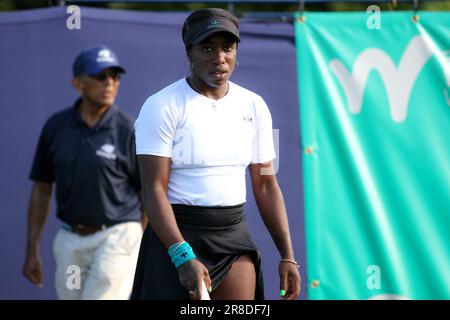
202 88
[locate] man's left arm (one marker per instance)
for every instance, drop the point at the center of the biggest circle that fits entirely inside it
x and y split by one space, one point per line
136 179
144 216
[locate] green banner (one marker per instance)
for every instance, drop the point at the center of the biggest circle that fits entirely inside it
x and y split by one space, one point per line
375 123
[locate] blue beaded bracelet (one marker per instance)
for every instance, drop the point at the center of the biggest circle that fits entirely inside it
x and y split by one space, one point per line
181 253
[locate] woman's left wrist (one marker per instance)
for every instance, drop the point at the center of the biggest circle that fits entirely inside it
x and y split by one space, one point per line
290 260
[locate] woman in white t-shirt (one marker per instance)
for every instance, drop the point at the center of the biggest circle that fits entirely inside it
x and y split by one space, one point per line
194 141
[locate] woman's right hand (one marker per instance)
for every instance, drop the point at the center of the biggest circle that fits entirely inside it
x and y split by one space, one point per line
191 275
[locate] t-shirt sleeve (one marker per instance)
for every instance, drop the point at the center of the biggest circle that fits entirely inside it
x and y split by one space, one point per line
155 129
42 168
263 147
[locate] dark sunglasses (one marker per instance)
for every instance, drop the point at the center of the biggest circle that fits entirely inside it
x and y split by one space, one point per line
102 76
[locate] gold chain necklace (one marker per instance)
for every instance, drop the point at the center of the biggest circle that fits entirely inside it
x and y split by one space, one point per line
191 83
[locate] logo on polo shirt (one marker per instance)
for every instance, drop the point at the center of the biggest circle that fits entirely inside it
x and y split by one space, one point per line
247 119
107 151
105 56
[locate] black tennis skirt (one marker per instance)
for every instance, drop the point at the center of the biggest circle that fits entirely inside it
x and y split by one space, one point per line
218 236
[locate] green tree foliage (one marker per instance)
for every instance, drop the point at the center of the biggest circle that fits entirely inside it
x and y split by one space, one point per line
444 5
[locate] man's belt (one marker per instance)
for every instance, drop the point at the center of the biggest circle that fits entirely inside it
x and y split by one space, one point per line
83 230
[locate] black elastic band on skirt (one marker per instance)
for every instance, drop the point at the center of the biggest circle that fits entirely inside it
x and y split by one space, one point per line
218 236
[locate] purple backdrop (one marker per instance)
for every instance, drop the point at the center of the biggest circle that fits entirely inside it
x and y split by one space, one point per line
36 55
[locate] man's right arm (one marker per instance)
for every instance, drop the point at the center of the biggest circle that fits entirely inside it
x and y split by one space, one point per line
38 210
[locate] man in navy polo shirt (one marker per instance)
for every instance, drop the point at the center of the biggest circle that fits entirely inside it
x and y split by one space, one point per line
88 151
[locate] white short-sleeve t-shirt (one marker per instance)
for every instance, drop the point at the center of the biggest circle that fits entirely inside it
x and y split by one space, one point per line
210 142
